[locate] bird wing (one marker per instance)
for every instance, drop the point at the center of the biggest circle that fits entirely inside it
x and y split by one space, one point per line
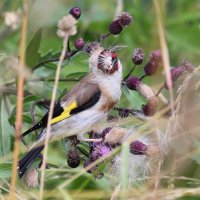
83 95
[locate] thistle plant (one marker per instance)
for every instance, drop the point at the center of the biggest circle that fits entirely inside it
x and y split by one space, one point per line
131 146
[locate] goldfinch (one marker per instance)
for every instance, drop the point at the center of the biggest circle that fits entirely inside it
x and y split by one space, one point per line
84 106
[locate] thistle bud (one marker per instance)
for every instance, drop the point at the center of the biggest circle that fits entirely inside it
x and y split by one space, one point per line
133 82
125 19
79 43
115 135
155 60
75 12
150 108
138 148
73 159
115 27
31 178
176 72
138 56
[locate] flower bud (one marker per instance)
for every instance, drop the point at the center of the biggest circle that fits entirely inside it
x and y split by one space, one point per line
73 159
133 82
150 108
125 19
75 12
79 43
115 27
31 178
155 60
176 72
115 135
138 56
138 148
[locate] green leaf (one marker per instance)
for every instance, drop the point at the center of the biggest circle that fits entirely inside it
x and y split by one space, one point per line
31 98
76 75
32 55
5 170
6 129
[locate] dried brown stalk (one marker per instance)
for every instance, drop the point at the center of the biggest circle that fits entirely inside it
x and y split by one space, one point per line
20 94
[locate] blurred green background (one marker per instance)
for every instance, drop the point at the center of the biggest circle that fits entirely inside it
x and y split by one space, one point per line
181 20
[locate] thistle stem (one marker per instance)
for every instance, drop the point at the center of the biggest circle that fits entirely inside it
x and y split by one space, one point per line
130 72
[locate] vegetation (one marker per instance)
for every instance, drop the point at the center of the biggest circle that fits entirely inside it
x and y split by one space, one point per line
158 110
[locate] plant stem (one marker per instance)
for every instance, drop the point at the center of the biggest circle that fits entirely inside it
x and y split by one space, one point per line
132 69
53 99
159 91
54 60
20 94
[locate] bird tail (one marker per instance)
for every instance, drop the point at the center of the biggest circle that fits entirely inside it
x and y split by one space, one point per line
28 159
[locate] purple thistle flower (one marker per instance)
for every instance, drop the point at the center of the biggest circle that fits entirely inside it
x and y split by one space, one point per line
99 151
75 12
133 82
138 56
176 72
125 19
138 148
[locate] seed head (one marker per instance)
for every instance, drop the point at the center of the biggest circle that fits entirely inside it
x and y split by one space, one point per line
75 12
125 19
73 159
79 43
133 82
67 25
152 150
150 108
115 135
138 56
138 148
31 178
115 27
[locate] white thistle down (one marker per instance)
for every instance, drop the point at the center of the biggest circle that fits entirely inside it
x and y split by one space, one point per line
12 19
67 26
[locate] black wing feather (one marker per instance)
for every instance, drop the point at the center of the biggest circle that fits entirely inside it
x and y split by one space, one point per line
58 109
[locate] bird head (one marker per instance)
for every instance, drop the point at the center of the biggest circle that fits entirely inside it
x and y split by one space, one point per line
104 61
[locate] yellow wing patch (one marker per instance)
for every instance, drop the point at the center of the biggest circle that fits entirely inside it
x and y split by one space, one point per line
65 114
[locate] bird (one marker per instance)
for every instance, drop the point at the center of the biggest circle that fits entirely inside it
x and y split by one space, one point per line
83 107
